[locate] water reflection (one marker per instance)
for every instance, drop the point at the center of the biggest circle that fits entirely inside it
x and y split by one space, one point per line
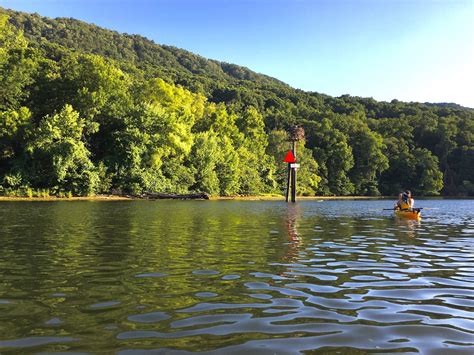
294 240
408 226
232 277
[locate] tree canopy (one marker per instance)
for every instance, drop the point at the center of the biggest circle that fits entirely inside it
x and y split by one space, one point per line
85 110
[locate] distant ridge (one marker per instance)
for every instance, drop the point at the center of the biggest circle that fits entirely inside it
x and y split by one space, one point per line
184 67
142 51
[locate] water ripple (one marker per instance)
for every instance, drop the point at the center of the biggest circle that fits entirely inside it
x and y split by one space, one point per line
235 277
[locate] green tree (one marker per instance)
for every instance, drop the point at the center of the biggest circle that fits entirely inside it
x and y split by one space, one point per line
17 65
204 159
427 179
334 155
227 167
58 157
13 124
367 149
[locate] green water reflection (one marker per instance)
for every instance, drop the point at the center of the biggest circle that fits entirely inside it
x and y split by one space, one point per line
234 276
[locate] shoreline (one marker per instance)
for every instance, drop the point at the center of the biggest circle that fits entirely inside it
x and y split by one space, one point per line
211 198
221 198
298 198
74 198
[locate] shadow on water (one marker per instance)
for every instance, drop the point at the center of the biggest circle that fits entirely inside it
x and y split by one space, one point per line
231 277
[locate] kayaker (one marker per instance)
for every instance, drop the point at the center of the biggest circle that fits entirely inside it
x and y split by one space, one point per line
405 201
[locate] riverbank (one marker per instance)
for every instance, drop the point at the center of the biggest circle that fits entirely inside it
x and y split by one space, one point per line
309 198
74 198
226 198
212 198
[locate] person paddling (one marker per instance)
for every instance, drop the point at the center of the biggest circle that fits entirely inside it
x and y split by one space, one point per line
405 201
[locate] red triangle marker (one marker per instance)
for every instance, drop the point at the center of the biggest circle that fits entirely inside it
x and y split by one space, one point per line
289 157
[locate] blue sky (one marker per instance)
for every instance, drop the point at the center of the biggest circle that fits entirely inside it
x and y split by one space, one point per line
410 50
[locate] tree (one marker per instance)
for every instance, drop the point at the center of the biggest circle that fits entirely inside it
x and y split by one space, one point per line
17 65
13 124
334 155
427 179
204 158
57 156
367 149
227 168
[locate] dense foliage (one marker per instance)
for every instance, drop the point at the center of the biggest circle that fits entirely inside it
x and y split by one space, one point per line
84 110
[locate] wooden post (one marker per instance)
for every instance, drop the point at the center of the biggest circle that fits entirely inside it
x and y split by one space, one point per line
296 133
288 183
293 177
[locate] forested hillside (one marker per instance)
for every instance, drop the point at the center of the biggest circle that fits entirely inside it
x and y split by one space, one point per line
84 110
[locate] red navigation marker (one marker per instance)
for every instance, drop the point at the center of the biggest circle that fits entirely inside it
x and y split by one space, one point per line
289 157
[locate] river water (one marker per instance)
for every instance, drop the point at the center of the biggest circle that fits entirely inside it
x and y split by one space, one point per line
229 277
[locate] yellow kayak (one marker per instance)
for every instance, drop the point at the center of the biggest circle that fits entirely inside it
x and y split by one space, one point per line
409 214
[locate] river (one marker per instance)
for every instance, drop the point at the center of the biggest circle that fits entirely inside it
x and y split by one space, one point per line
228 277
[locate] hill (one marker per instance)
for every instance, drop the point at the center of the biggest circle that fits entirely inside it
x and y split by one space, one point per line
149 117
